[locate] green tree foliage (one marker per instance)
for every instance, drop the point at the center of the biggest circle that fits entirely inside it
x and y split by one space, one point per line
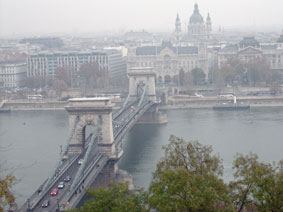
252 72
257 185
198 76
6 196
187 178
117 198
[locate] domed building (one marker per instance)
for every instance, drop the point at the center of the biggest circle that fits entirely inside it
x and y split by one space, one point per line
198 30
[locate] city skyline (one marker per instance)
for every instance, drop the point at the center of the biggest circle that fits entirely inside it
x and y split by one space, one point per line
51 17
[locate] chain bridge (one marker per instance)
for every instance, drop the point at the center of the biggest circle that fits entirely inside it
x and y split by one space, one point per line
86 157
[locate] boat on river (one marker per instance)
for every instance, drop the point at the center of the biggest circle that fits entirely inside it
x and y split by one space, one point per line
232 105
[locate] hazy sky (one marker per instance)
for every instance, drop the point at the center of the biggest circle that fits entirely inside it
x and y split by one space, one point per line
29 17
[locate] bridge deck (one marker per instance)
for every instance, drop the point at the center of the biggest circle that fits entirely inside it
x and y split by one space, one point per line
123 121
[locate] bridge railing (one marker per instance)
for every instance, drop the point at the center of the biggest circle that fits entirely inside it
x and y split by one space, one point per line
34 201
134 116
85 160
72 193
60 161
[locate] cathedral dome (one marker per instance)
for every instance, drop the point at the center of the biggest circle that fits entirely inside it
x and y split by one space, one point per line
196 17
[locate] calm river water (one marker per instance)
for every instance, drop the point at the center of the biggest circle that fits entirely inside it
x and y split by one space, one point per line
30 141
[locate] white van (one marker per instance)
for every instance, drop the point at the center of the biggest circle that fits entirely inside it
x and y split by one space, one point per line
227 95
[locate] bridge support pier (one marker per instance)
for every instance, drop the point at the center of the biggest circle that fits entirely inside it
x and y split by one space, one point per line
96 112
142 76
153 116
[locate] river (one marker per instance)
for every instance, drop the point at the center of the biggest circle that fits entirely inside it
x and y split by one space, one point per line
30 141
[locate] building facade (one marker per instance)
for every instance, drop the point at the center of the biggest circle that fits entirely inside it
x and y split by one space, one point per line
12 74
249 49
167 60
45 64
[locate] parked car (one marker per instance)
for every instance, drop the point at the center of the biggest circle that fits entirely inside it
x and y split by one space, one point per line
61 185
67 179
54 191
45 203
80 161
198 95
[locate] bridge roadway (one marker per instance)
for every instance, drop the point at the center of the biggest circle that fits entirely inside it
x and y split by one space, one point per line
122 122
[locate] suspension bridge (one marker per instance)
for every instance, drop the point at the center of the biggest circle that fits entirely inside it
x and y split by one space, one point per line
86 157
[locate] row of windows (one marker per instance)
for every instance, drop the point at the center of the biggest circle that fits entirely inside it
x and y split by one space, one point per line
11 85
7 80
89 58
184 63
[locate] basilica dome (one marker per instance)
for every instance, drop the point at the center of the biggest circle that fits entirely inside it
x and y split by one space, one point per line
196 17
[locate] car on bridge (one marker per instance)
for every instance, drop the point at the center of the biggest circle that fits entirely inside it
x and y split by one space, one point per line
67 179
45 203
54 192
61 185
80 161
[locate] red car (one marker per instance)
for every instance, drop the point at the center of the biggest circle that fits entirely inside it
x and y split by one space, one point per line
54 191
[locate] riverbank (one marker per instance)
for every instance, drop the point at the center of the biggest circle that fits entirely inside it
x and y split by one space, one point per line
182 102
41 105
175 102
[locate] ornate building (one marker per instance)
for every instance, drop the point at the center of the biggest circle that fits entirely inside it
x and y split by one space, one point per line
249 49
197 29
167 60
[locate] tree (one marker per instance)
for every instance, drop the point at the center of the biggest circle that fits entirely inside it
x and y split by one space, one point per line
35 82
64 73
117 198
6 196
258 71
257 185
181 77
93 76
187 178
198 76
60 86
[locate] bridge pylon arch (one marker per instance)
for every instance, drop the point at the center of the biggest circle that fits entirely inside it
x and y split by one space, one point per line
142 76
91 111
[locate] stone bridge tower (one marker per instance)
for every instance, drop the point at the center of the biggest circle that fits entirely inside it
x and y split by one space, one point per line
142 76
91 111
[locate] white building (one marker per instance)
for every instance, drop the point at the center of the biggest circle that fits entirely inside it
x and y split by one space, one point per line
45 63
12 74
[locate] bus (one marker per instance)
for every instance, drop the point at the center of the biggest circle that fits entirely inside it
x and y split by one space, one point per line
34 97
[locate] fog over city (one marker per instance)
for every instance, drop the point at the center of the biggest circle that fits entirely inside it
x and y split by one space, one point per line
180 101
33 17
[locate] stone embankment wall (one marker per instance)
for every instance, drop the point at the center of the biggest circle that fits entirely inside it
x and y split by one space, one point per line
40 104
180 102
35 105
176 102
